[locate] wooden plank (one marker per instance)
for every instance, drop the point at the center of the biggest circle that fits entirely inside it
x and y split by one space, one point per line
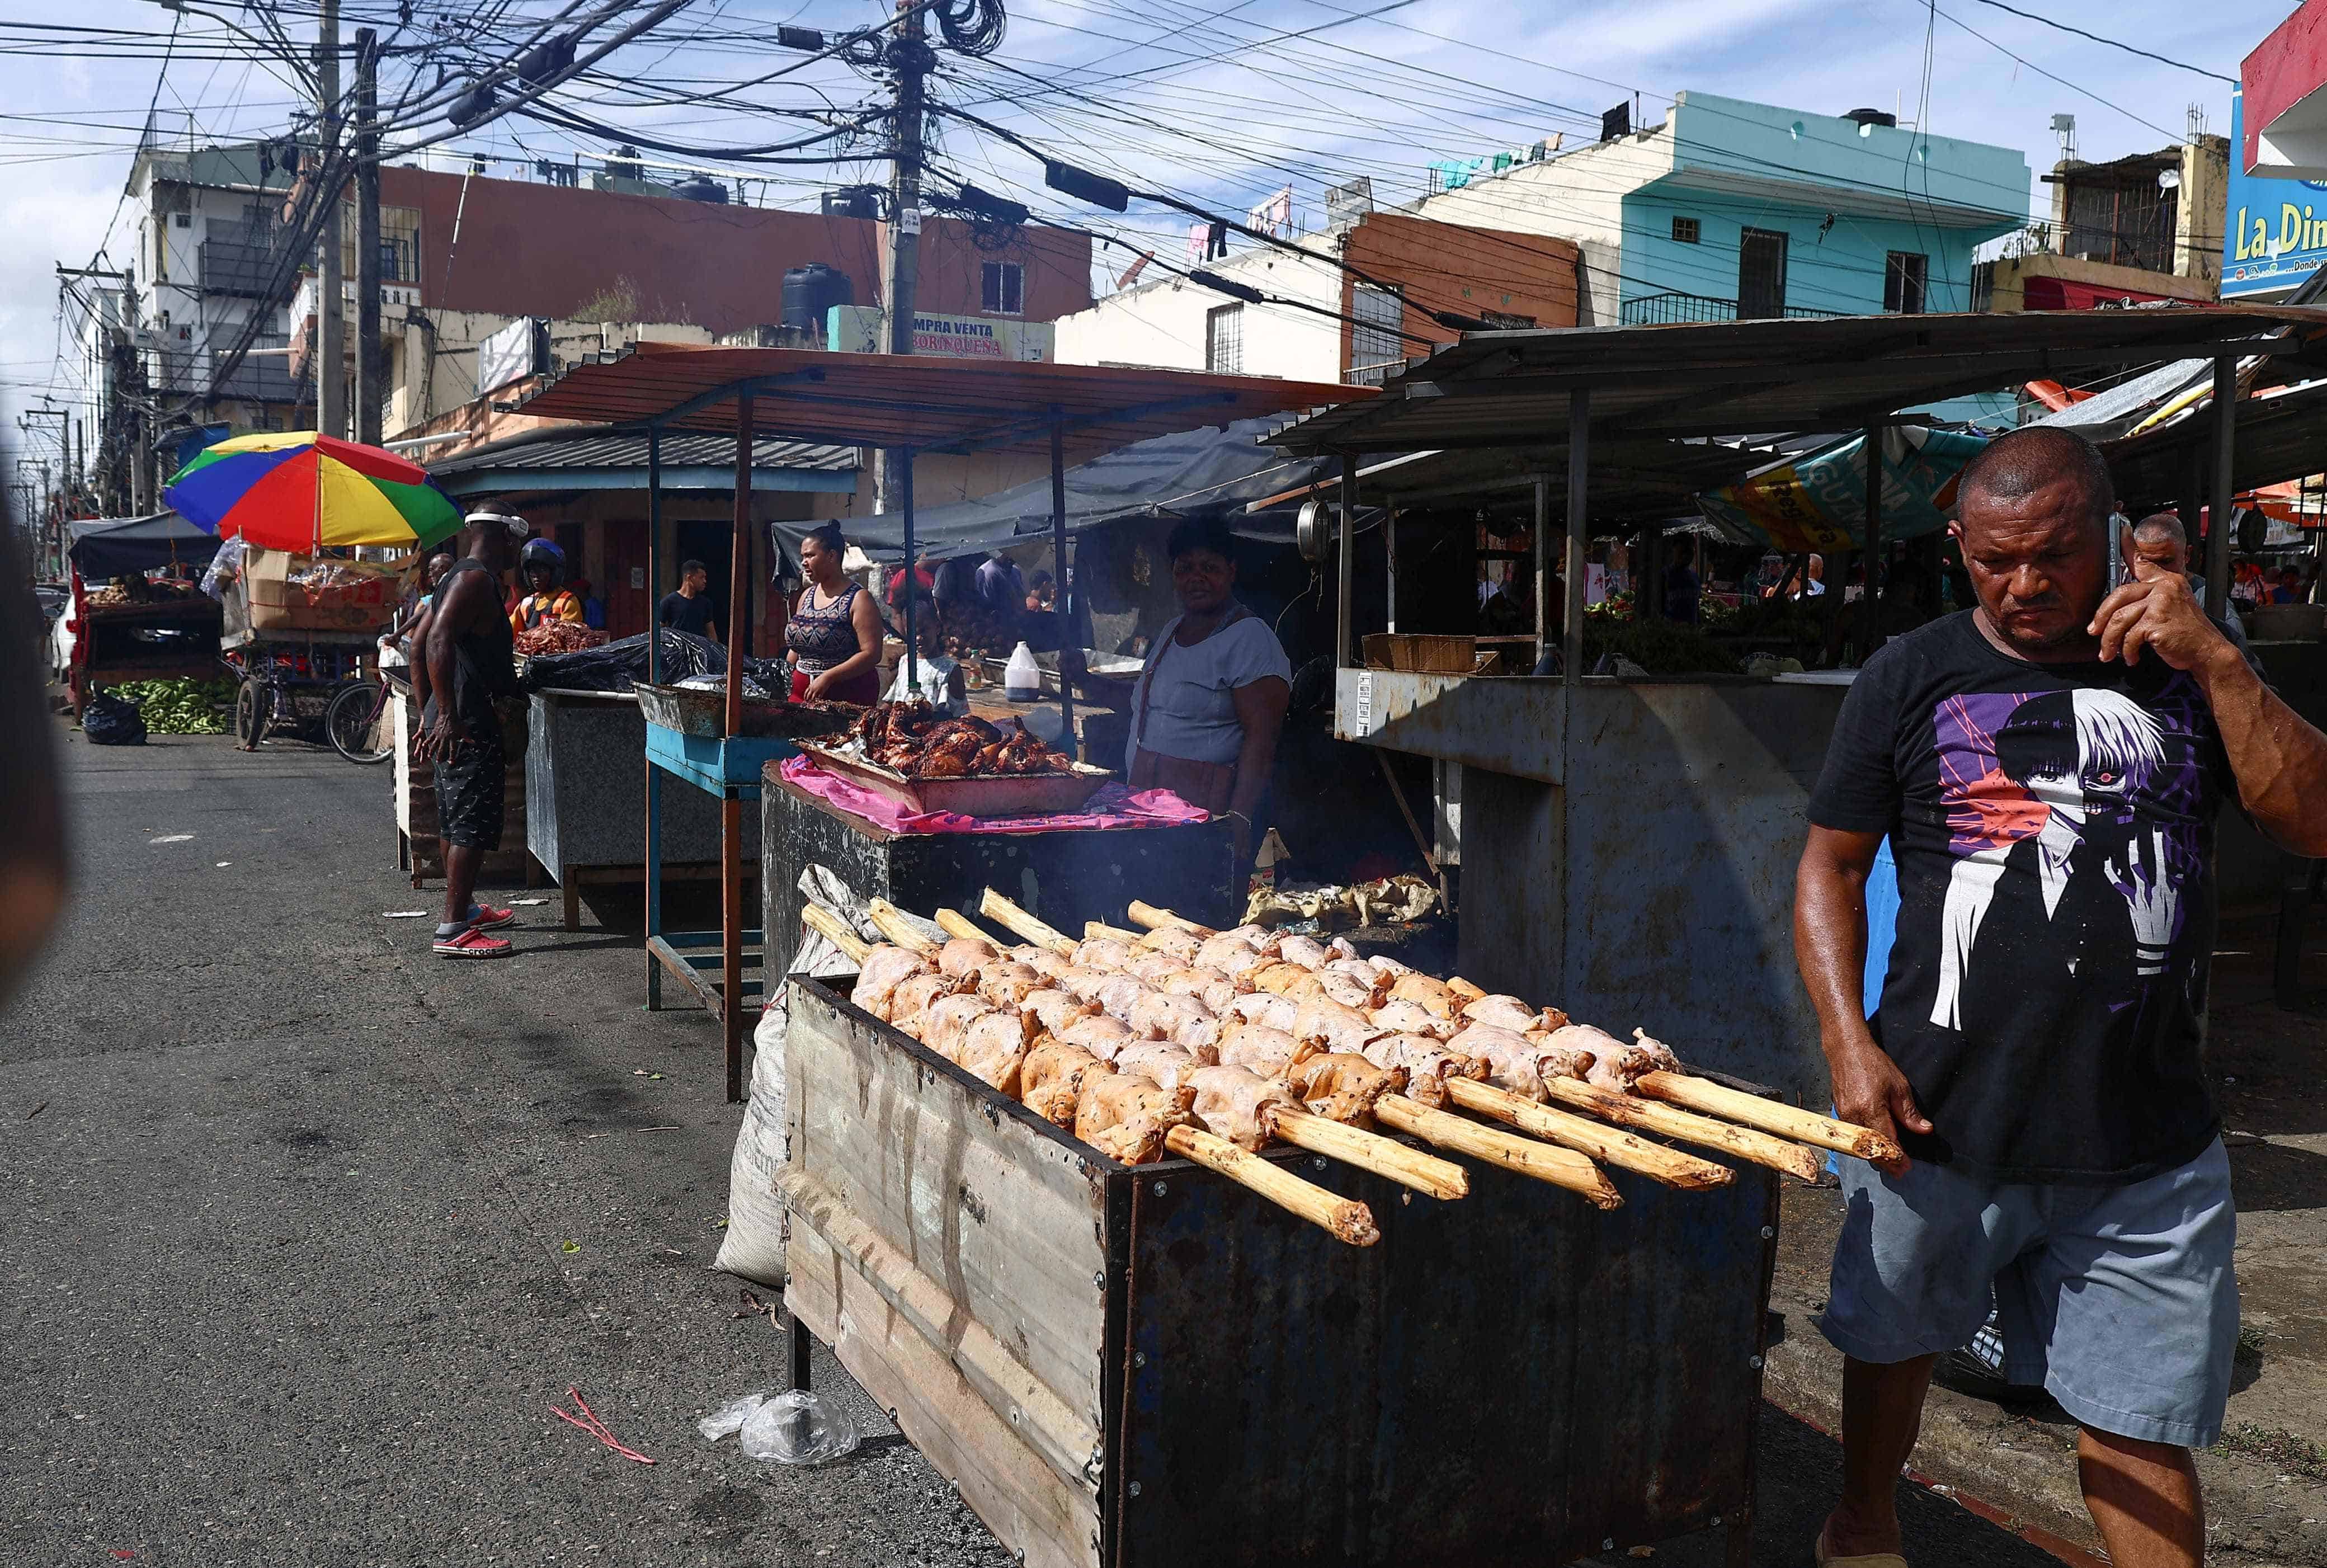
978 1194
1017 1496
1060 1437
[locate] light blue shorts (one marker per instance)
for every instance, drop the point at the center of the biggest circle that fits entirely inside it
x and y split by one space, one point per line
2120 1301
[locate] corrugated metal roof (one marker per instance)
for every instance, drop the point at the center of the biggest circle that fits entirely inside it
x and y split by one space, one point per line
2281 436
917 401
606 449
1834 373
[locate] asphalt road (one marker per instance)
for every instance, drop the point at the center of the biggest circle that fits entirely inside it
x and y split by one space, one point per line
304 1231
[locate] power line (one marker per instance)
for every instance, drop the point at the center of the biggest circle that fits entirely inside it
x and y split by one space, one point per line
2112 42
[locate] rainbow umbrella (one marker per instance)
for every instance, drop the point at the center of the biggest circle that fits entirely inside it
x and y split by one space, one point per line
293 489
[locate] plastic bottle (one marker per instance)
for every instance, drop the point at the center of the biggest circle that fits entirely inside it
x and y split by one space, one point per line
1022 677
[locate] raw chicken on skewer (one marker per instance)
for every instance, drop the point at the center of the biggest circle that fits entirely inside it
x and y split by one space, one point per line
1322 1023
1199 1037
1643 1066
1472 1041
1128 1117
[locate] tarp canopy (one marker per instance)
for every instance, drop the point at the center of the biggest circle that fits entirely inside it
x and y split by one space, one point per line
1818 501
1212 471
125 546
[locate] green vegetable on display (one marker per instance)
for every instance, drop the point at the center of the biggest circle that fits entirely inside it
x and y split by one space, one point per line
184 707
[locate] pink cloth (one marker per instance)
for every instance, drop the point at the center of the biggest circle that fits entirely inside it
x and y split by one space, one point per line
1113 805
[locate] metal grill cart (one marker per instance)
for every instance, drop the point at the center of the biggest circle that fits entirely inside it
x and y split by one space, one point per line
1646 831
1149 1366
915 406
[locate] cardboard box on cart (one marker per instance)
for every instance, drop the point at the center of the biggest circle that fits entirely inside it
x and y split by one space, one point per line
287 591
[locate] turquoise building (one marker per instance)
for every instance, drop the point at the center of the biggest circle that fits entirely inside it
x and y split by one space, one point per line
1727 208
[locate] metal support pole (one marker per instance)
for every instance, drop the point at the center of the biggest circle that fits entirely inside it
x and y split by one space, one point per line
2193 492
1542 567
913 636
800 1341
654 677
1059 576
1873 436
1345 570
731 803
331 319
369 356
1390 564
908 53
2217 523
1579 526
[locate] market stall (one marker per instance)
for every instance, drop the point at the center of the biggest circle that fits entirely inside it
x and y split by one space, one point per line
582 824
147 620
913 407
1635 819
1340 1292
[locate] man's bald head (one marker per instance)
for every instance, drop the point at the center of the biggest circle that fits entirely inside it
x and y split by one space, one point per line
2031 517
2160 545
2019 463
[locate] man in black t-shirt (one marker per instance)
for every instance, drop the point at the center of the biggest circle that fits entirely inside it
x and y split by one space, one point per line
2047 768
689 608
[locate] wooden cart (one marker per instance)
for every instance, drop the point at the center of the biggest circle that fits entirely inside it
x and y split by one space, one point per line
1149 1366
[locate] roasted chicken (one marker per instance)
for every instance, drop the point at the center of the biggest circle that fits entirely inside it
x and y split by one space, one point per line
1127 1118
914 740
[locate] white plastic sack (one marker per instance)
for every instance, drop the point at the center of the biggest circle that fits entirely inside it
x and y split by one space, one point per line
798 1427
757 1225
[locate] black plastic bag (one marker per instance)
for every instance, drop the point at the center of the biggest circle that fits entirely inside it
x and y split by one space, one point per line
108 721
619 666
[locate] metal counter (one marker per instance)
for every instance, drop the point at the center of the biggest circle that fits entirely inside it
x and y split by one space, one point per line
1630 848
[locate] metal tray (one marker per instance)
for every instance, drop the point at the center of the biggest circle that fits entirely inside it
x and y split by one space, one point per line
704 713
1021 795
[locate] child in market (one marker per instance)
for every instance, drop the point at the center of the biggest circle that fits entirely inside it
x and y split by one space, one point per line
941 682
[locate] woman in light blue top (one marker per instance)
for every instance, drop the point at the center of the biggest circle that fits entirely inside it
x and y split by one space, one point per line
1207 710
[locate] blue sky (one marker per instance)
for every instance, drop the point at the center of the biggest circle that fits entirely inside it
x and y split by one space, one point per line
1207 98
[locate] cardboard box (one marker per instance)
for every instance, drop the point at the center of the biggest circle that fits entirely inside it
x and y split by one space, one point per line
293 592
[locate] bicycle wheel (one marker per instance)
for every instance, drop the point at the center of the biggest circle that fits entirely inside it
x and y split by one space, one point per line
250 705
352 721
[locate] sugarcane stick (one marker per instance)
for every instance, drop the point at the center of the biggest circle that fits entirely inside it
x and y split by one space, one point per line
890 922
1803 1126
1095 929
954 923
1155 919
1605 1144
1654 1116
1560 1167
853 947
1010 917
1371 1151
1347 1219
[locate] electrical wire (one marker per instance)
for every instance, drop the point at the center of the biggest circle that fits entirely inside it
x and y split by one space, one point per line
2112 42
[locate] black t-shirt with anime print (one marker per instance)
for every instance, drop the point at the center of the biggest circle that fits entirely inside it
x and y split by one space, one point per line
2053 830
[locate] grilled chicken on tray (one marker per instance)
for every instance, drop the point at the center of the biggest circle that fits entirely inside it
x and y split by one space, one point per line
917 741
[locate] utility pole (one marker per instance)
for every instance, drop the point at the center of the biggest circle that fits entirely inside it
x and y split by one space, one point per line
909 52
368 354
331 321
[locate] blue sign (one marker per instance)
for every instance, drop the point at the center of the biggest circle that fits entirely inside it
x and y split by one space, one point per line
2274 231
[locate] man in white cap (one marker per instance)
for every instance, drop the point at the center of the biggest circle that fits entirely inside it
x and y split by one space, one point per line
466 669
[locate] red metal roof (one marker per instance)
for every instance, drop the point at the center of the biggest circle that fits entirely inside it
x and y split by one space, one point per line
918 401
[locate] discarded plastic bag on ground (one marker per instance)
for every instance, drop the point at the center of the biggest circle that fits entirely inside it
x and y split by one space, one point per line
108 721
798 1427
730 1418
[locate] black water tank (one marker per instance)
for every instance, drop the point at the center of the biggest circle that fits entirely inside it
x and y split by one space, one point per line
810 291
1873 117
700 189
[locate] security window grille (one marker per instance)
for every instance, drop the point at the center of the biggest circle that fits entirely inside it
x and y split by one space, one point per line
1685 231
1374 342
1902 282
1224 340
1760 275
1003 289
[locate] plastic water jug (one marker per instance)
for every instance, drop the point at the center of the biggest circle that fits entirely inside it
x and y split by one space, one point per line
1022 677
